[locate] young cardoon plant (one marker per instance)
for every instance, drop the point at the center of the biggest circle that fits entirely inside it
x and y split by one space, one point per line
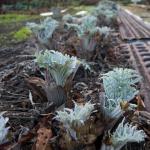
103 10
104 31
90 35
136 1
60 67
69 18
106 11
3 129
76 118
88 23
119 85
125 133
44 31
59 73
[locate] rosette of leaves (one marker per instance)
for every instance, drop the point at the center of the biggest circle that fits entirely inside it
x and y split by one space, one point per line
106 11
104 31
3 128
90 35
119 85
44 31
124 134
69 18
59 72
76 123
59 66
88 23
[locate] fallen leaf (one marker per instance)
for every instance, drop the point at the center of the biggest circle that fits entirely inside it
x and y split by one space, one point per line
44 135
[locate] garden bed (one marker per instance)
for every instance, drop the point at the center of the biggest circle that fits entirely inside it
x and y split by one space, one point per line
79 92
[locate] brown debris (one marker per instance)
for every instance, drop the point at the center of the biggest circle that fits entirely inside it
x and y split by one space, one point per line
43 137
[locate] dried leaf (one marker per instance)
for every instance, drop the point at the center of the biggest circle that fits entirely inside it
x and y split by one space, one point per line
43 137
37 85
47 93
140 104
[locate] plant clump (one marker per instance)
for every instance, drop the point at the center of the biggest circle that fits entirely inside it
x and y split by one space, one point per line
69 18
77 117
125 133
44 31
106 11
3 128
90 36
136 1
59 66
78 126
119 85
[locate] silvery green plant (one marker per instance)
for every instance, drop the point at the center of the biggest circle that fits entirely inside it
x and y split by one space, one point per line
103 10
106 11
114 110
74 118
119 85
59 66
89 33
88 23
3 128
68 18
44 30
136 1
125 133
89 27
104 31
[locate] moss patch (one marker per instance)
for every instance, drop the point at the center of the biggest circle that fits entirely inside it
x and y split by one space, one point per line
12 28
13 18
22 35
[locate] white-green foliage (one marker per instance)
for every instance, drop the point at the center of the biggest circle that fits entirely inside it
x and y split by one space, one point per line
59 66
107 9
101 10
112 108
86 31
86 65
44 30
126 132
119 85
87 25
88 22
78 115
68 18
104 31
74 118
136 1
3 129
